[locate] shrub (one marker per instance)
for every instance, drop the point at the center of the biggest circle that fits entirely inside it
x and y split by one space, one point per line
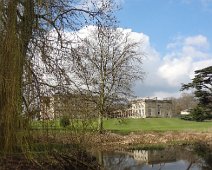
187 117
64 121
197 114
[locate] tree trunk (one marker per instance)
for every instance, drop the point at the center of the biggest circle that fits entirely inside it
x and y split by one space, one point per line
100 123
101 105
11 65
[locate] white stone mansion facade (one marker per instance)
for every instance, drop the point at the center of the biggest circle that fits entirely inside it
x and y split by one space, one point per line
146 107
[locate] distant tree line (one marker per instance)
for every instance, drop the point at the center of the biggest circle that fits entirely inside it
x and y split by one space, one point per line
186 101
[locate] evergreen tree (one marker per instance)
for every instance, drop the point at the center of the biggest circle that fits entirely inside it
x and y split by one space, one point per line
202 84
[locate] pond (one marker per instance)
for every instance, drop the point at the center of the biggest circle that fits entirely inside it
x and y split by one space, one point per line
195 157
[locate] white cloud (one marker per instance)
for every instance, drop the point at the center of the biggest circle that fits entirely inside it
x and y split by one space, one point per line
175 70
165 74
176 42
179 64
199 65
197 41
163 95
194 52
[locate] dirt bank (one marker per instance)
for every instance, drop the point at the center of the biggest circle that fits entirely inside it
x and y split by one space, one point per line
112 141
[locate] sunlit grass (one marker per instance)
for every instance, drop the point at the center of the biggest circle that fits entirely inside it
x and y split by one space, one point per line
156 124
129 125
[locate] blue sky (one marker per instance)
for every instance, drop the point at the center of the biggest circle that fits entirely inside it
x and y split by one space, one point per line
179 34
163 20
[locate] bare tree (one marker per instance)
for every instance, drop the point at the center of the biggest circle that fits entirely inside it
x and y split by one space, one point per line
26 58
106 64
185 101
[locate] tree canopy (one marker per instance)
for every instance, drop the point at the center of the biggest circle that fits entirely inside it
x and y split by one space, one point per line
107 62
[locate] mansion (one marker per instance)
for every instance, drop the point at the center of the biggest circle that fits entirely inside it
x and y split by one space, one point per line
152 108
80 106
73 105
146 107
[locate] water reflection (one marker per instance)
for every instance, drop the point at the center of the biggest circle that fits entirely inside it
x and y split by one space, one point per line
187 158
205 153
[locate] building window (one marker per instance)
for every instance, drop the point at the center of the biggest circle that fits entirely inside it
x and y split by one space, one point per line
159 109
149 111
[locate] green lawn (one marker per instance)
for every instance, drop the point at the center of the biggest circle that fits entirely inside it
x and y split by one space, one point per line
131 125
155 124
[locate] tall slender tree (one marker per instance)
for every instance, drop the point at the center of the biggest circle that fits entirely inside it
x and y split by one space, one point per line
10 80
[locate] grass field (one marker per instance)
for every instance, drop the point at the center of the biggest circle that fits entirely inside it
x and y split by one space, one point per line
131 125
155 124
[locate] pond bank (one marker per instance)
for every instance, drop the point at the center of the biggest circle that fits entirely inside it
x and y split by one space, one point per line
111 141
57 151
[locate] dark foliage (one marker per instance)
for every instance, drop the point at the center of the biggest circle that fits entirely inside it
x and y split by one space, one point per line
202 83
64 121
79 160
205 152
197 114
